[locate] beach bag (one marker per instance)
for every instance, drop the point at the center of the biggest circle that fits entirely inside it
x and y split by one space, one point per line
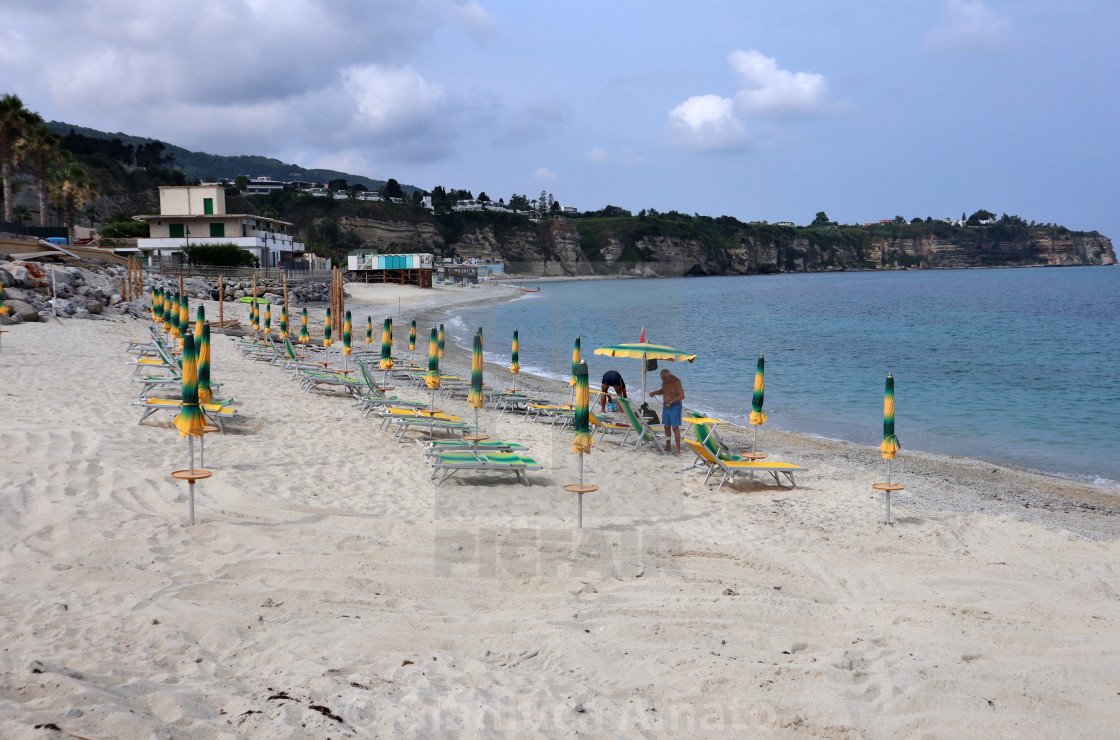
651 365
611 405
649 415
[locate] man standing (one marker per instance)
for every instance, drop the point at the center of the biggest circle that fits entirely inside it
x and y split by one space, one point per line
672 396
612 379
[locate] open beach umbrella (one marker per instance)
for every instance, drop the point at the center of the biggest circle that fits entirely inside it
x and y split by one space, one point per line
386 348
205 395
889 446
369 330
581 425
304 334
327 329
576 360
645 352
412 339
346 335
267 318
184 319
199 321
441 341
173 322
475 397
284 322
757 417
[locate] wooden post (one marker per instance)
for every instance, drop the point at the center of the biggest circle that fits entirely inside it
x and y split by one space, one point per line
180 284
284 273
222 302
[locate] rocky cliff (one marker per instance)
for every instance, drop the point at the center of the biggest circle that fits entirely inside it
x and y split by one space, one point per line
683 245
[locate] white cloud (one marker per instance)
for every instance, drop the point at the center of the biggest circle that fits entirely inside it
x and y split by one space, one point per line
970 25
771 91
544 174
707 123
388 100
598 155
768 92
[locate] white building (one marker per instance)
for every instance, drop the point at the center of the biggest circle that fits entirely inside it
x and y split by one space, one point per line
196 214
264 186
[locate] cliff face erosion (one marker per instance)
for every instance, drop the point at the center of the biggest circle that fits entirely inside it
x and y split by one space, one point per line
666 246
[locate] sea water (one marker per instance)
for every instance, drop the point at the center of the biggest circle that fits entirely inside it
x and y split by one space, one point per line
1018 366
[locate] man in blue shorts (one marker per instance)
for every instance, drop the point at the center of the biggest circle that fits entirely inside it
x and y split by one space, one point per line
672 395
611 379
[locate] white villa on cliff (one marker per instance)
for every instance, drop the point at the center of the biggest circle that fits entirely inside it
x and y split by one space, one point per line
196 214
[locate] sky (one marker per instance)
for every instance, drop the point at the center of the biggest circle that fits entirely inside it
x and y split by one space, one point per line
758 110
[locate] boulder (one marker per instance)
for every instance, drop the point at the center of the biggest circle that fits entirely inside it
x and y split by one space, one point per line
17 274
81 313
64 306
13 294
7 320
25 311
96 307
115 299
7 280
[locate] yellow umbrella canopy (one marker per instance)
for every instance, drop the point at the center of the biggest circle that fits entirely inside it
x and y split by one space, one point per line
190 420
645 352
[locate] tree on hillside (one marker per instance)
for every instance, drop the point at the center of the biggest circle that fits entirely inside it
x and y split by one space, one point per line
483 197
981 215
70 188
15 119
339 183
39 146
241 182
393 189
821 219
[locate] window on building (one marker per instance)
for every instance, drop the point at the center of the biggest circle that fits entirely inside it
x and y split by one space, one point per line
218 229
175 231
208 206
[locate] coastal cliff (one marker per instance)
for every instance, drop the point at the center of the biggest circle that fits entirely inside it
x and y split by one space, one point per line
673 245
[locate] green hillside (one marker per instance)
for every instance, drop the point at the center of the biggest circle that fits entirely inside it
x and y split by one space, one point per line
203 166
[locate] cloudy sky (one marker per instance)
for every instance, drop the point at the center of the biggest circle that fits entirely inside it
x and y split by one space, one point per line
758 110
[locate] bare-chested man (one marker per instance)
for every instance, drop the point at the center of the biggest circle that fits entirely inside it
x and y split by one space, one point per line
672 395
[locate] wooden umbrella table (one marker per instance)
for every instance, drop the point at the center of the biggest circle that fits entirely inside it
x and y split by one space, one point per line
190 476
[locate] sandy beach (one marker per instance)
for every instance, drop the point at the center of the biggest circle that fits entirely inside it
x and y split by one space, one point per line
328 589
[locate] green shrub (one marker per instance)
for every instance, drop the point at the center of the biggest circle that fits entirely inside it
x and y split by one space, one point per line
219 255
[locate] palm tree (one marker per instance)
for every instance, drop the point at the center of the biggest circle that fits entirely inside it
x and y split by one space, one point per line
14 118
39 145
20 214
70 187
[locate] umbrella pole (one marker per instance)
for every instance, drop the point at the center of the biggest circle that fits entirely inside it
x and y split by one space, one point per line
190 446
579 498
476 421
888 492
755 442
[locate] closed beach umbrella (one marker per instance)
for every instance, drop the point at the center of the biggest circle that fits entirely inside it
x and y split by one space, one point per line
284 322
304 334
253 315
199 321
757 417
205 395
369 330
4 309
581 423
390 333
386 347
184 319
441 338
889 446
432 378
576 359
190 421
327 329
157 303
172 322
346 335
513 366
268 318
474 398
166 315
412 338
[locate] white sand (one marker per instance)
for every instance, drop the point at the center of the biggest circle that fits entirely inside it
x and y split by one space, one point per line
325 570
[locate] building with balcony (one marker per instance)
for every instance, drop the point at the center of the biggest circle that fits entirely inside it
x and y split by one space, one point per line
196 214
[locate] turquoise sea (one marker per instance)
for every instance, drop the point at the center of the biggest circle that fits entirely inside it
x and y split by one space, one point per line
1016 366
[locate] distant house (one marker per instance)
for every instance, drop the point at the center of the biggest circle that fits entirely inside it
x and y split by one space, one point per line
196 214
264 186
784 223
569 209
478 205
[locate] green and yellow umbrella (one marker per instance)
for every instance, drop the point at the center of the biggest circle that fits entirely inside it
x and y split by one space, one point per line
432 378
576 359
513 366
369 330
412 338
157 303
347 335
645 352
757 417
199 321
890 445
474 398
205 395
4 309
327 329
304 334
387 348
166 315
390 333
253 315
172 322
184 319
267 318
581 423
441 344
284 322
190 420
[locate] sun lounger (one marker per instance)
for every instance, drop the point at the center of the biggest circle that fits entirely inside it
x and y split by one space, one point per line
406 424
640 431
730 468
440 446
216 412
446 464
